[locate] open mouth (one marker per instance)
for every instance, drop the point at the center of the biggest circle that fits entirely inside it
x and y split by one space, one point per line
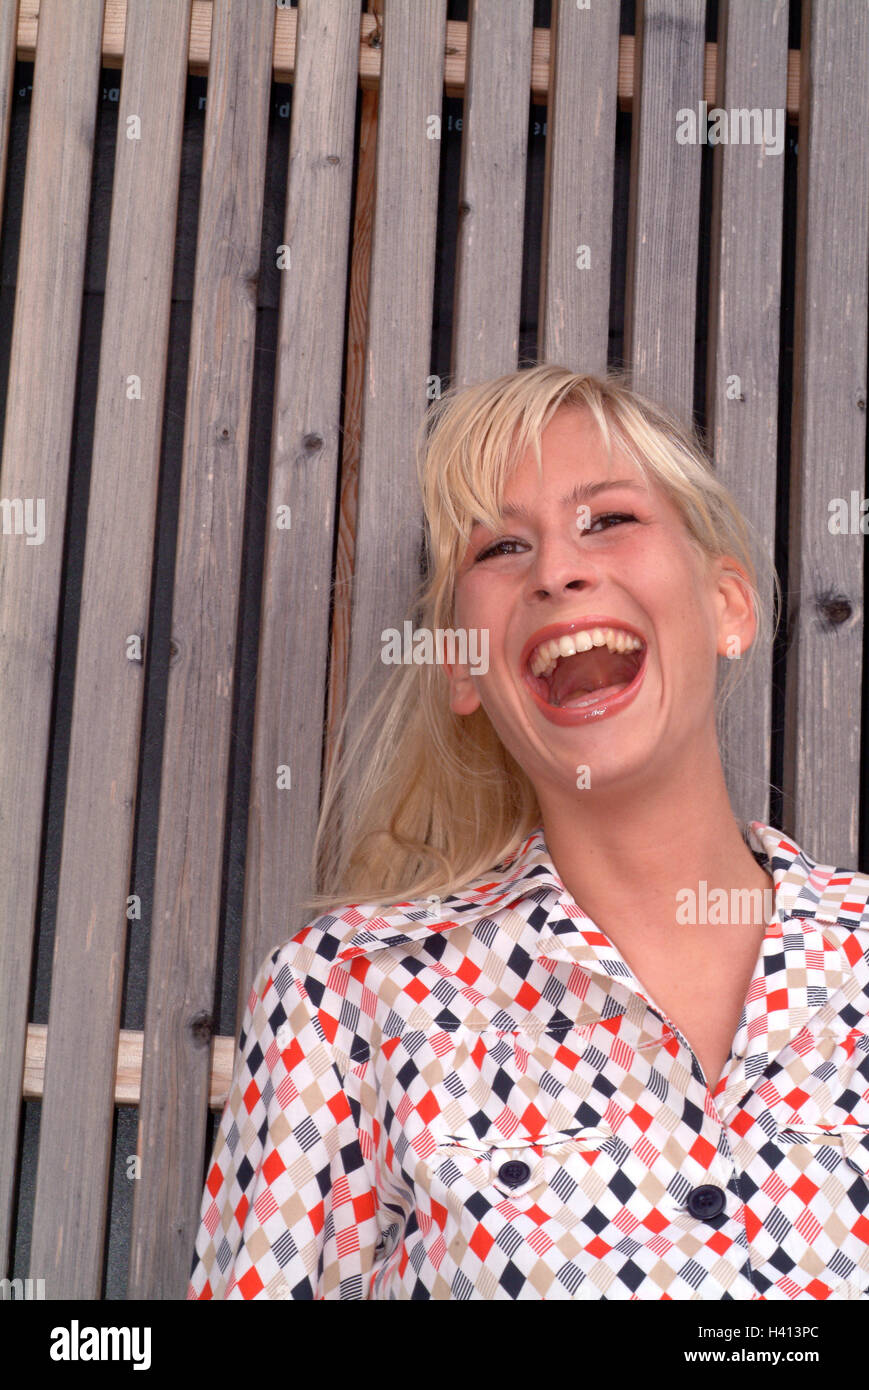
584 668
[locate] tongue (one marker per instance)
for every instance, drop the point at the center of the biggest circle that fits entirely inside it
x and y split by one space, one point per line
587 671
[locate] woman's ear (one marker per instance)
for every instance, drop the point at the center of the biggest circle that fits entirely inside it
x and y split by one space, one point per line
737 621
463 691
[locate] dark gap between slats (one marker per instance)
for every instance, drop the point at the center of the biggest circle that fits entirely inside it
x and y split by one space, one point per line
780 815
535 166
621 203
343 460
10 243
449 173
619 252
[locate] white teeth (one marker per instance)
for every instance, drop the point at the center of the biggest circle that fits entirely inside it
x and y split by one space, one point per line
545 657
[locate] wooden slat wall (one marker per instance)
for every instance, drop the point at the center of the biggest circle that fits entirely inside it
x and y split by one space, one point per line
196 747
828 456
370 52
661 285
90 933
35 465
743 357
573 321
492 192
389 514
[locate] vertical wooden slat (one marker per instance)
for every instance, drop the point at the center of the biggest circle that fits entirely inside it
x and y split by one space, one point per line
90 936
190 833
389 529
8 50
573 328
35 470
492 190
664 209
294 631
743 362
825 580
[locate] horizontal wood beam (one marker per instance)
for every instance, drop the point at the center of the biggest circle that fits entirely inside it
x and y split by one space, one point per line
455 57
128 1070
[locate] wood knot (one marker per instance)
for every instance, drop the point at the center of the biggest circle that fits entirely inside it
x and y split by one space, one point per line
834 609
312 442
201 1027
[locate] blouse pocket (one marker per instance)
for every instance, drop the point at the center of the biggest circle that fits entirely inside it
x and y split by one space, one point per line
827 1166
849 1142
520 1169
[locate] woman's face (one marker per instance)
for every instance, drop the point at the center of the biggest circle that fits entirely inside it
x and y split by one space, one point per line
628 561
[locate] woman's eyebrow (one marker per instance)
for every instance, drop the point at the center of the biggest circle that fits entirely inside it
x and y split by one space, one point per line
580 494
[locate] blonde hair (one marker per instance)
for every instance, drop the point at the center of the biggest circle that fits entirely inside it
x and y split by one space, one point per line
434 799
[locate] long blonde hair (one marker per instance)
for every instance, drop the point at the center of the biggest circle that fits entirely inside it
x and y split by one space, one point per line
435 800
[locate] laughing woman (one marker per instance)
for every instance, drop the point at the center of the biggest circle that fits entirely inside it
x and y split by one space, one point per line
529 1061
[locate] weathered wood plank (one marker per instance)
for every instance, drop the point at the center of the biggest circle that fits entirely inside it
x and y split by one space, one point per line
743 358
294 629
573 321
825 582
196 749
8 42
664 209
76 1124
455 55
389 529
488 281
34 477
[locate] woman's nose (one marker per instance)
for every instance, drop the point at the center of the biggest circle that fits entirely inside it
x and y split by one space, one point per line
561 564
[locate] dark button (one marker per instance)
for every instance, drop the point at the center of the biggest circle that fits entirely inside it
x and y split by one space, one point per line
514 1172
706 1201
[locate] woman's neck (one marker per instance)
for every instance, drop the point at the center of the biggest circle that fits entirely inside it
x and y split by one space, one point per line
636 866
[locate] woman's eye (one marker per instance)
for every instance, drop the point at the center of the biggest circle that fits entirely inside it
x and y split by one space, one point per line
612 516
497 549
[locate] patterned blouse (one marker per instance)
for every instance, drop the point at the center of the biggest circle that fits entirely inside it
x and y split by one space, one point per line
478 1099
